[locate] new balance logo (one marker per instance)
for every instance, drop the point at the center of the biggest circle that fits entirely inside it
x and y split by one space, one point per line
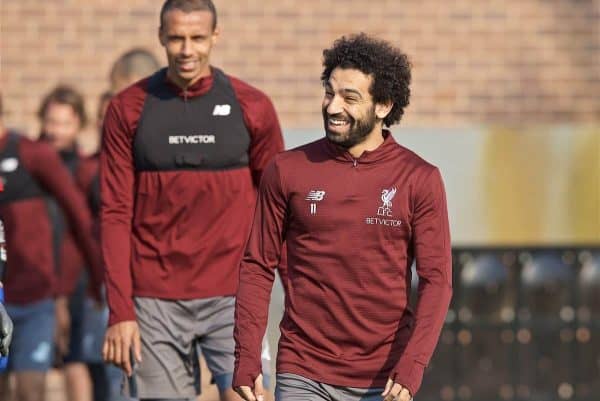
315 196
222 110
194 139
9 165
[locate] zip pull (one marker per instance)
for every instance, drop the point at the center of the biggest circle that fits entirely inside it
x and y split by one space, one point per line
185 95
354 162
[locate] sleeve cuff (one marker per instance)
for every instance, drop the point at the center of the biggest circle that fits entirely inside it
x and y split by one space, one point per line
243 378
409 373
123 316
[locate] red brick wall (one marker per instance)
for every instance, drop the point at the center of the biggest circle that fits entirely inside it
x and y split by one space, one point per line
477 61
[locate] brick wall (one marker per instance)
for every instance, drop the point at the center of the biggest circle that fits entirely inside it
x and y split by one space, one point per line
475 61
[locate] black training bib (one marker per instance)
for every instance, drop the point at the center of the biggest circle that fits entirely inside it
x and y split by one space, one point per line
200 133
19 184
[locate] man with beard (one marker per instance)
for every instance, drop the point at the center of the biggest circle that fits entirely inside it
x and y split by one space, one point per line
182 155
354 208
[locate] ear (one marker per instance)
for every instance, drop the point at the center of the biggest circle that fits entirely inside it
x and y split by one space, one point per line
383 109
215 35
162 39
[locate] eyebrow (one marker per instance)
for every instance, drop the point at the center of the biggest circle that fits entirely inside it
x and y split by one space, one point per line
354 91
344 90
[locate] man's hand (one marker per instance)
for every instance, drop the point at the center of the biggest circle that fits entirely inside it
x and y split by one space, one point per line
248 395
63 324
6 331
118 341
395 392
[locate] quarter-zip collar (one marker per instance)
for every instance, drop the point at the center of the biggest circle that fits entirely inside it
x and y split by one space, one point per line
198 88
369 156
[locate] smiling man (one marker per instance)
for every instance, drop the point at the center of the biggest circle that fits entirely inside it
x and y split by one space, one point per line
183 152
354 208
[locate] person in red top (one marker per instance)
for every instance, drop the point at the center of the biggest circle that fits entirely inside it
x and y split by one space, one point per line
182 154
31 172
62 117
354 209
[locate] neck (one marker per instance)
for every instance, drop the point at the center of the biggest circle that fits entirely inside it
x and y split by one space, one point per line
183 83
371 142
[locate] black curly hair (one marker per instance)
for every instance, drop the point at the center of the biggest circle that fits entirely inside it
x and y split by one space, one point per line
389 67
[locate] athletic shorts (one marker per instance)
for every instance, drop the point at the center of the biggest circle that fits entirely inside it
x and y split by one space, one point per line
291 387
173 334
88 326
32 347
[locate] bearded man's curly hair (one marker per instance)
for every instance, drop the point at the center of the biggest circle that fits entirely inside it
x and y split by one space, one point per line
389 67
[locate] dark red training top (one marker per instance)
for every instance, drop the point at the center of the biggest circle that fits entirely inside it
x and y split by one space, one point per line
176 207
352 229
71 259
31 274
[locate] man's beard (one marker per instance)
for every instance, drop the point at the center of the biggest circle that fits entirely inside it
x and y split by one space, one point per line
357 132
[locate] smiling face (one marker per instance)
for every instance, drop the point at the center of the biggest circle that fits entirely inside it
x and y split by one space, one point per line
188 39
349 113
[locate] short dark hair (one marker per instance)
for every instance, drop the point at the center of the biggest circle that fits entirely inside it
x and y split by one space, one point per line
187 6
389 67
64 94
134 65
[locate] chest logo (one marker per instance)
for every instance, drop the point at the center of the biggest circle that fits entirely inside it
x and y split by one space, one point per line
386 198
222 110
191 139
314 196
9 165
385 210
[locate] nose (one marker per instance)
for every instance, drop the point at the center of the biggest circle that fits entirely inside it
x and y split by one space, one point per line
334 105
186 48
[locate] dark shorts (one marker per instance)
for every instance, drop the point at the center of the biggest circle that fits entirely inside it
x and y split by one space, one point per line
32 347
88 326
173 334
291 387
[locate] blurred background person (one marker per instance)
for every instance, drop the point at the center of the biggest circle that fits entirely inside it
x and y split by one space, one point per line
6 324
31 172
130 67
79 332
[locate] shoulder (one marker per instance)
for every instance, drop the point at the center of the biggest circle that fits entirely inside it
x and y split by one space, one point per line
128 103
28 146
35 154
249 95
425 178
413 162
133 92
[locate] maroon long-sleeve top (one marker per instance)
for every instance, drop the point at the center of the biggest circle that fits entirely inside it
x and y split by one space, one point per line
72 260
31 274
352 229
177 234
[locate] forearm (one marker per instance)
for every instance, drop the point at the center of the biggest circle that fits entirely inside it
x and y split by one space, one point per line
117 180
432 307
251 315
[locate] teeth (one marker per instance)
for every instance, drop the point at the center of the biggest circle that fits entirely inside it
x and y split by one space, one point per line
337 122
